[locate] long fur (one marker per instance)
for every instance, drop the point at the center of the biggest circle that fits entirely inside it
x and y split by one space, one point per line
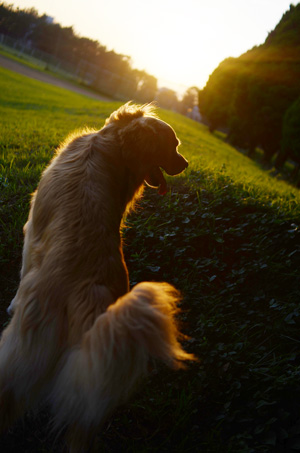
79 339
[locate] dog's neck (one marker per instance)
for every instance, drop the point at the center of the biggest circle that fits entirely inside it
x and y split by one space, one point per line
124 184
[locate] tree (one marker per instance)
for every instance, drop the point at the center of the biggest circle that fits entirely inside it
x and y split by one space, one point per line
146 86
167 98
216 98
290 144
104 70
249 95
15 22
189 100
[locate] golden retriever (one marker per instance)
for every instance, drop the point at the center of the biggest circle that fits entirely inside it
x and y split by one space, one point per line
79 340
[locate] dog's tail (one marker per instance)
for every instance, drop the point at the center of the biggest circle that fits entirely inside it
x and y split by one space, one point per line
115 353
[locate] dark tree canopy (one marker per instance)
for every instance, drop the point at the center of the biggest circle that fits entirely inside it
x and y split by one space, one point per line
249 95
290 142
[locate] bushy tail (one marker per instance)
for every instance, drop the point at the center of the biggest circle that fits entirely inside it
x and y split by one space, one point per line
115 352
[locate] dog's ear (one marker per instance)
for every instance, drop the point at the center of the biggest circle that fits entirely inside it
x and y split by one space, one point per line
139 140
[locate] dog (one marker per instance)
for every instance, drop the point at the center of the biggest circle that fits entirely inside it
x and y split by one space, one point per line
79 339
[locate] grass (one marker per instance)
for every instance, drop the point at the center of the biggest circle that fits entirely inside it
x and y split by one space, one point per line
226 234
43 67
18 56
35 117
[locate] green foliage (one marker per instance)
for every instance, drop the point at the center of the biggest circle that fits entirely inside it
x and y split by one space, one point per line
250 94
287 31
215 99
291 131
227 235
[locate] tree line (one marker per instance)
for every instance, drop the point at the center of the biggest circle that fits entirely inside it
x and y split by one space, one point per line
104 70
255 98
85 54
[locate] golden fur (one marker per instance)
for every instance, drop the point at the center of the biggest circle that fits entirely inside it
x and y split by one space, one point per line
79 339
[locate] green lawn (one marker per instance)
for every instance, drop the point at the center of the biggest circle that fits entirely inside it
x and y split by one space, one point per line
226 234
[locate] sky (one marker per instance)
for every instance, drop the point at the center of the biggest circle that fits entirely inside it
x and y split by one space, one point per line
180 42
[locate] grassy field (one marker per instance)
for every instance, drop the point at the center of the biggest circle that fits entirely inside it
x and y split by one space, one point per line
226 234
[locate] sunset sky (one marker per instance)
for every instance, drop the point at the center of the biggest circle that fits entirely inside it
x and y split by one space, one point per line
179 41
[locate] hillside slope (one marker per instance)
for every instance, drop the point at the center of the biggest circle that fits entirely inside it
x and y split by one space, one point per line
226 235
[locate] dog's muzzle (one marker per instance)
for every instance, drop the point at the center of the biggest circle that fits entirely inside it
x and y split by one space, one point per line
178 165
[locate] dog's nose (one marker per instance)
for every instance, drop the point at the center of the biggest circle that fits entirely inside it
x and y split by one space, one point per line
184 162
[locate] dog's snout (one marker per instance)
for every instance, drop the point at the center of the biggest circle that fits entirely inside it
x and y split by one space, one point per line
184 162
178 165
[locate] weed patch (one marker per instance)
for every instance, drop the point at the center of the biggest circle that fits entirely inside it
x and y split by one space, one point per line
237 265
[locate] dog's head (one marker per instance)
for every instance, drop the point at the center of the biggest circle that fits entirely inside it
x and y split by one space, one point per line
147 144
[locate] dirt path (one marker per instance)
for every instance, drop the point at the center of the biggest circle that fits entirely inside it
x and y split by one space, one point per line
48 78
